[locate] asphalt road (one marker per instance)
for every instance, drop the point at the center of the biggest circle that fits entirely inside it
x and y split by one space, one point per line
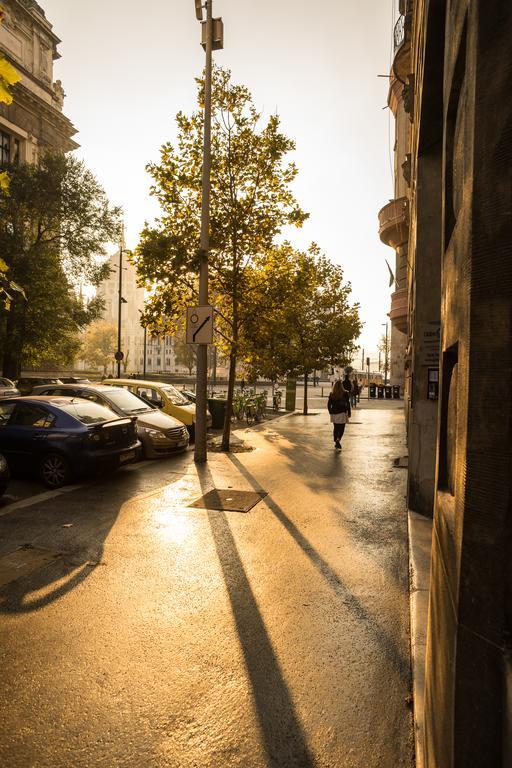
139 631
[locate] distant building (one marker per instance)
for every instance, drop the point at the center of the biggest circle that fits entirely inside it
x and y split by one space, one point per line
34 121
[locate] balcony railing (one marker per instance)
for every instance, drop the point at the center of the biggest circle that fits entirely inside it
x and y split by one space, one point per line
399 33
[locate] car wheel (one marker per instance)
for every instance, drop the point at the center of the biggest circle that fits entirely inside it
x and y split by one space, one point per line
54 470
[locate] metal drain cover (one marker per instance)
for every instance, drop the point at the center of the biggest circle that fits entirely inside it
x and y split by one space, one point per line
229 500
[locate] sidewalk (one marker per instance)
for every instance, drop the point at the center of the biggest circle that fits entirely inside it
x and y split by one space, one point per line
420 544
246 613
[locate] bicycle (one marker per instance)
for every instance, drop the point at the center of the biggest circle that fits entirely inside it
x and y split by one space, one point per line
276 400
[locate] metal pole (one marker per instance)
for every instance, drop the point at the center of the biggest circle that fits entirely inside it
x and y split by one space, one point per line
386 359
145 341
362 360
368 379
202 349
120 304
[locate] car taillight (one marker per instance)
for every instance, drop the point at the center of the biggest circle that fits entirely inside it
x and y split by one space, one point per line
92 438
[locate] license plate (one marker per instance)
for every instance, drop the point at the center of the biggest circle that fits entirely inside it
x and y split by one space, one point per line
126 456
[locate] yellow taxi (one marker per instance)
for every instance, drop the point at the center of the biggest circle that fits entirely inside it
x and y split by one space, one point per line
164 396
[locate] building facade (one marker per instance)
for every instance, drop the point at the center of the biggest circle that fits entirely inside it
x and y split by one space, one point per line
456 81
35 120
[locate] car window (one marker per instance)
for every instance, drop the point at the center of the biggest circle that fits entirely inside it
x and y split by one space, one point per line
92 396
150 395
27 415
6 383
88 412
174 396
127 401
5 412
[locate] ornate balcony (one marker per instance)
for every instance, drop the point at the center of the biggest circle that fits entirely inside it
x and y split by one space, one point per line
402 47
398 313
394 222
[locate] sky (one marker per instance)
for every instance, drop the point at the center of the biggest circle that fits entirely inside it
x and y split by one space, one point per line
128 67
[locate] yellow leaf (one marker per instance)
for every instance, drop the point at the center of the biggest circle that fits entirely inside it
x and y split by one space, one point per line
8 73
4 183
8 77
3 266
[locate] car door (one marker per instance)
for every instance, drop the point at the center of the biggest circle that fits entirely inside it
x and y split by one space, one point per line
24 434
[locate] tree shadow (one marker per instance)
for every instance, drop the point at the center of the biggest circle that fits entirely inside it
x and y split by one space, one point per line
284 738
77 550
398 661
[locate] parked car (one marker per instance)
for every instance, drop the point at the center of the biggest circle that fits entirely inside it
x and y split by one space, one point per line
189 395
27 383
163 396
74 380
4 474
59 438
8 388
159 433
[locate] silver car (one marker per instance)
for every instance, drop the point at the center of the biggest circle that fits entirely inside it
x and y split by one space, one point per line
159 433
8 388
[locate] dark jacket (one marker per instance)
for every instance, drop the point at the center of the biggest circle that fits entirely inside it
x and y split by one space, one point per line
341 405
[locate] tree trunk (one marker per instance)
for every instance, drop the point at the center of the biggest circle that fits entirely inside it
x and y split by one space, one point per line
229 403
15 330
305 409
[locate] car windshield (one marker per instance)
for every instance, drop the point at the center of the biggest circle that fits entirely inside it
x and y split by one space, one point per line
87 412
6 383
127 401
174 396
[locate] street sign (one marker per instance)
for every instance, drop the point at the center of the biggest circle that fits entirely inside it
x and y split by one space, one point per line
119 356
199 325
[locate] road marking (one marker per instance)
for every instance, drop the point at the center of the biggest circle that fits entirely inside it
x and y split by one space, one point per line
37 499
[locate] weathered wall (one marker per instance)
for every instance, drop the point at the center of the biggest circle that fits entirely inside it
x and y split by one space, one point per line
467 722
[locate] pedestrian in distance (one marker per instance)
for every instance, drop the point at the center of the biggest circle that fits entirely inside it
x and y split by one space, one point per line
347 384
354 395
338 406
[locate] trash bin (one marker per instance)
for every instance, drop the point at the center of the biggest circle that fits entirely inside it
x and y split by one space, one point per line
217 409
373 390
380 391
396 391
389 392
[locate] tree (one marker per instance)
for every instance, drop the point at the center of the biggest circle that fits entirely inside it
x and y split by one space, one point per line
8 77
54 223
100 344
308 323
185 354
250 203
384 347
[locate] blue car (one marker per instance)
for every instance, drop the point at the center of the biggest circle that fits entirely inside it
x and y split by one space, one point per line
59 438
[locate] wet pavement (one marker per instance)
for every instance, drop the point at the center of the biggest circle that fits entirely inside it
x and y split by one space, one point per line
137 630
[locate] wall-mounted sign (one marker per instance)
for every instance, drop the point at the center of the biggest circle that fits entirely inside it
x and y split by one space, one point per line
430 341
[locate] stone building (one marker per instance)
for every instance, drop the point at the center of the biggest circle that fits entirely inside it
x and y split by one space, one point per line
34 120
456 81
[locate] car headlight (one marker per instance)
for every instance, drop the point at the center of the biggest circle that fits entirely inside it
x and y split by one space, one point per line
155 434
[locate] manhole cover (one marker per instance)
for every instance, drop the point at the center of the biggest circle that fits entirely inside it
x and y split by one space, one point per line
22 562
229 500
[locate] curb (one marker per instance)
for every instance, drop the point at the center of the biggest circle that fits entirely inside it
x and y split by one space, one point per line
420 544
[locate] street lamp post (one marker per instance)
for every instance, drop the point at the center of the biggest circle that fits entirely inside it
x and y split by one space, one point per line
386 357
119 355
200 454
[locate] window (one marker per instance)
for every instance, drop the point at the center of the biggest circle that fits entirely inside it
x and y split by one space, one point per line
88 413
16 152
26 415
5 148
168 361
150 396
5 411
158 362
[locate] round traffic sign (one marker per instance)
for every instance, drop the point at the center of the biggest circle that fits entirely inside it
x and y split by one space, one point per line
119 356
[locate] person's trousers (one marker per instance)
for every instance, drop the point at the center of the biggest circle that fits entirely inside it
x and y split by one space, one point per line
338 430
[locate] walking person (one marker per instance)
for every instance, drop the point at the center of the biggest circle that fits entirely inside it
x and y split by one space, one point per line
338 406
354 394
